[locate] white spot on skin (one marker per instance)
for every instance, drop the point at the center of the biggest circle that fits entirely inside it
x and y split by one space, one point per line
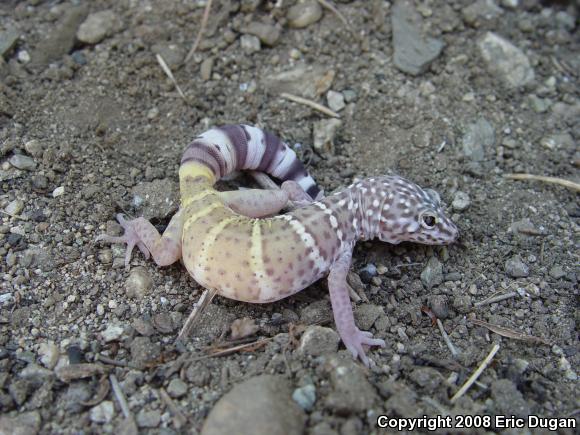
383 194
339 234
350 205
364 190
386 207
376 203
341 203
369 212
333 221
373 190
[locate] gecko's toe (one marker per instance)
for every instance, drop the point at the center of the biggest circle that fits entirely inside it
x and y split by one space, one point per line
354 343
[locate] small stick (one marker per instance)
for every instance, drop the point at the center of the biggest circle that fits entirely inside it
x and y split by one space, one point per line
120 396
553 180
310 103
475 374
336 12
447 340
497 298
169 74
201 304
200 32
179 419
113 362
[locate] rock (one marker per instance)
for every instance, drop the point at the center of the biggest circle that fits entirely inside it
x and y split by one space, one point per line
318 340
557 272
61 39
14 207
402 400
26 423
72 399
35 148
563 141
206 69
461 201
48 353
250 44
112 333
148 418
271 410
22 162
144 351
366 315
143 326
305 396
139 283
426 377
481 10
508 400
478 140
505 60
267 33
98 26
324 134
539 105
79 371
8 39
59 191
177 388
516 268
305 81
335 101
172 54
413 52
103 412
432 274
304 14
351 391
439 306
243 327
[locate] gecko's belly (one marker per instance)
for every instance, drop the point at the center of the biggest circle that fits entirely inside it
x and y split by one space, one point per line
240 272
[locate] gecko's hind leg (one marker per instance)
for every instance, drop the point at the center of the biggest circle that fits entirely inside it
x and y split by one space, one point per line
165 249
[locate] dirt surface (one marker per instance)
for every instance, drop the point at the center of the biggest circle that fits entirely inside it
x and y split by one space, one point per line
90 126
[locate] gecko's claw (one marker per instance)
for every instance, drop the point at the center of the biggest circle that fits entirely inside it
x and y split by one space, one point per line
130 237
356 339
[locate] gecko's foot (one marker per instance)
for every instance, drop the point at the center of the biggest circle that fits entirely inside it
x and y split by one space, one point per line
354 341
130 237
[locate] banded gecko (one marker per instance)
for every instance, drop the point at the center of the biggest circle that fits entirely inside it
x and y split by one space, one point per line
227 243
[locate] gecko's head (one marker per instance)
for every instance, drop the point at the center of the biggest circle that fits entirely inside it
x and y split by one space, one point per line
410 213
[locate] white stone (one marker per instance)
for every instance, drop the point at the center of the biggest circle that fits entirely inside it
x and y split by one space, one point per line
103 412
112 333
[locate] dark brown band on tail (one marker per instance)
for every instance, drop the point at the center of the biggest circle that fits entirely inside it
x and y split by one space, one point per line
272 145
206 154
238 137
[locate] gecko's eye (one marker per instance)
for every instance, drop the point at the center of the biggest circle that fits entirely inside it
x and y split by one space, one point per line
428 220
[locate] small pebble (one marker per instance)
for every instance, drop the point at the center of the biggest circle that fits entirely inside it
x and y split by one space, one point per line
177 388
112 333
59 191
318 340
305 396
335 101
14 207
206 69
461 201
148 418
303 14
22 162
103 412
250 44
516 268
139 283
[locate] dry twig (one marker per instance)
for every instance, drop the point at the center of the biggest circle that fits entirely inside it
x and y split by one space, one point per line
336 12
310 103
118 391
201 304
179 420
552 180
447 340
497 298
510 333
169 74
475 374
200 32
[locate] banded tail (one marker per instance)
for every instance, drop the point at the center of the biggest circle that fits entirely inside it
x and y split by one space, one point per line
223 150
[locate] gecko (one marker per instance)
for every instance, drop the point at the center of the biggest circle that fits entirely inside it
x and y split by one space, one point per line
235 242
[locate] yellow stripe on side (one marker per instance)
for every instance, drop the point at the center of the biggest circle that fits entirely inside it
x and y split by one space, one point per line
208 243
186 201
256 255
190 220
196 169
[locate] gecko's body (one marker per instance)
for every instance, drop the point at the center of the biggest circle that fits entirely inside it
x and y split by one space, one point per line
226 244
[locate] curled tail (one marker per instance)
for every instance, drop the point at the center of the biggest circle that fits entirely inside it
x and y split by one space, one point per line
229 148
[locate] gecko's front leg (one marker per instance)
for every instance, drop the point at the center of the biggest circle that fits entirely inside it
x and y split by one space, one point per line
352 337
165 249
